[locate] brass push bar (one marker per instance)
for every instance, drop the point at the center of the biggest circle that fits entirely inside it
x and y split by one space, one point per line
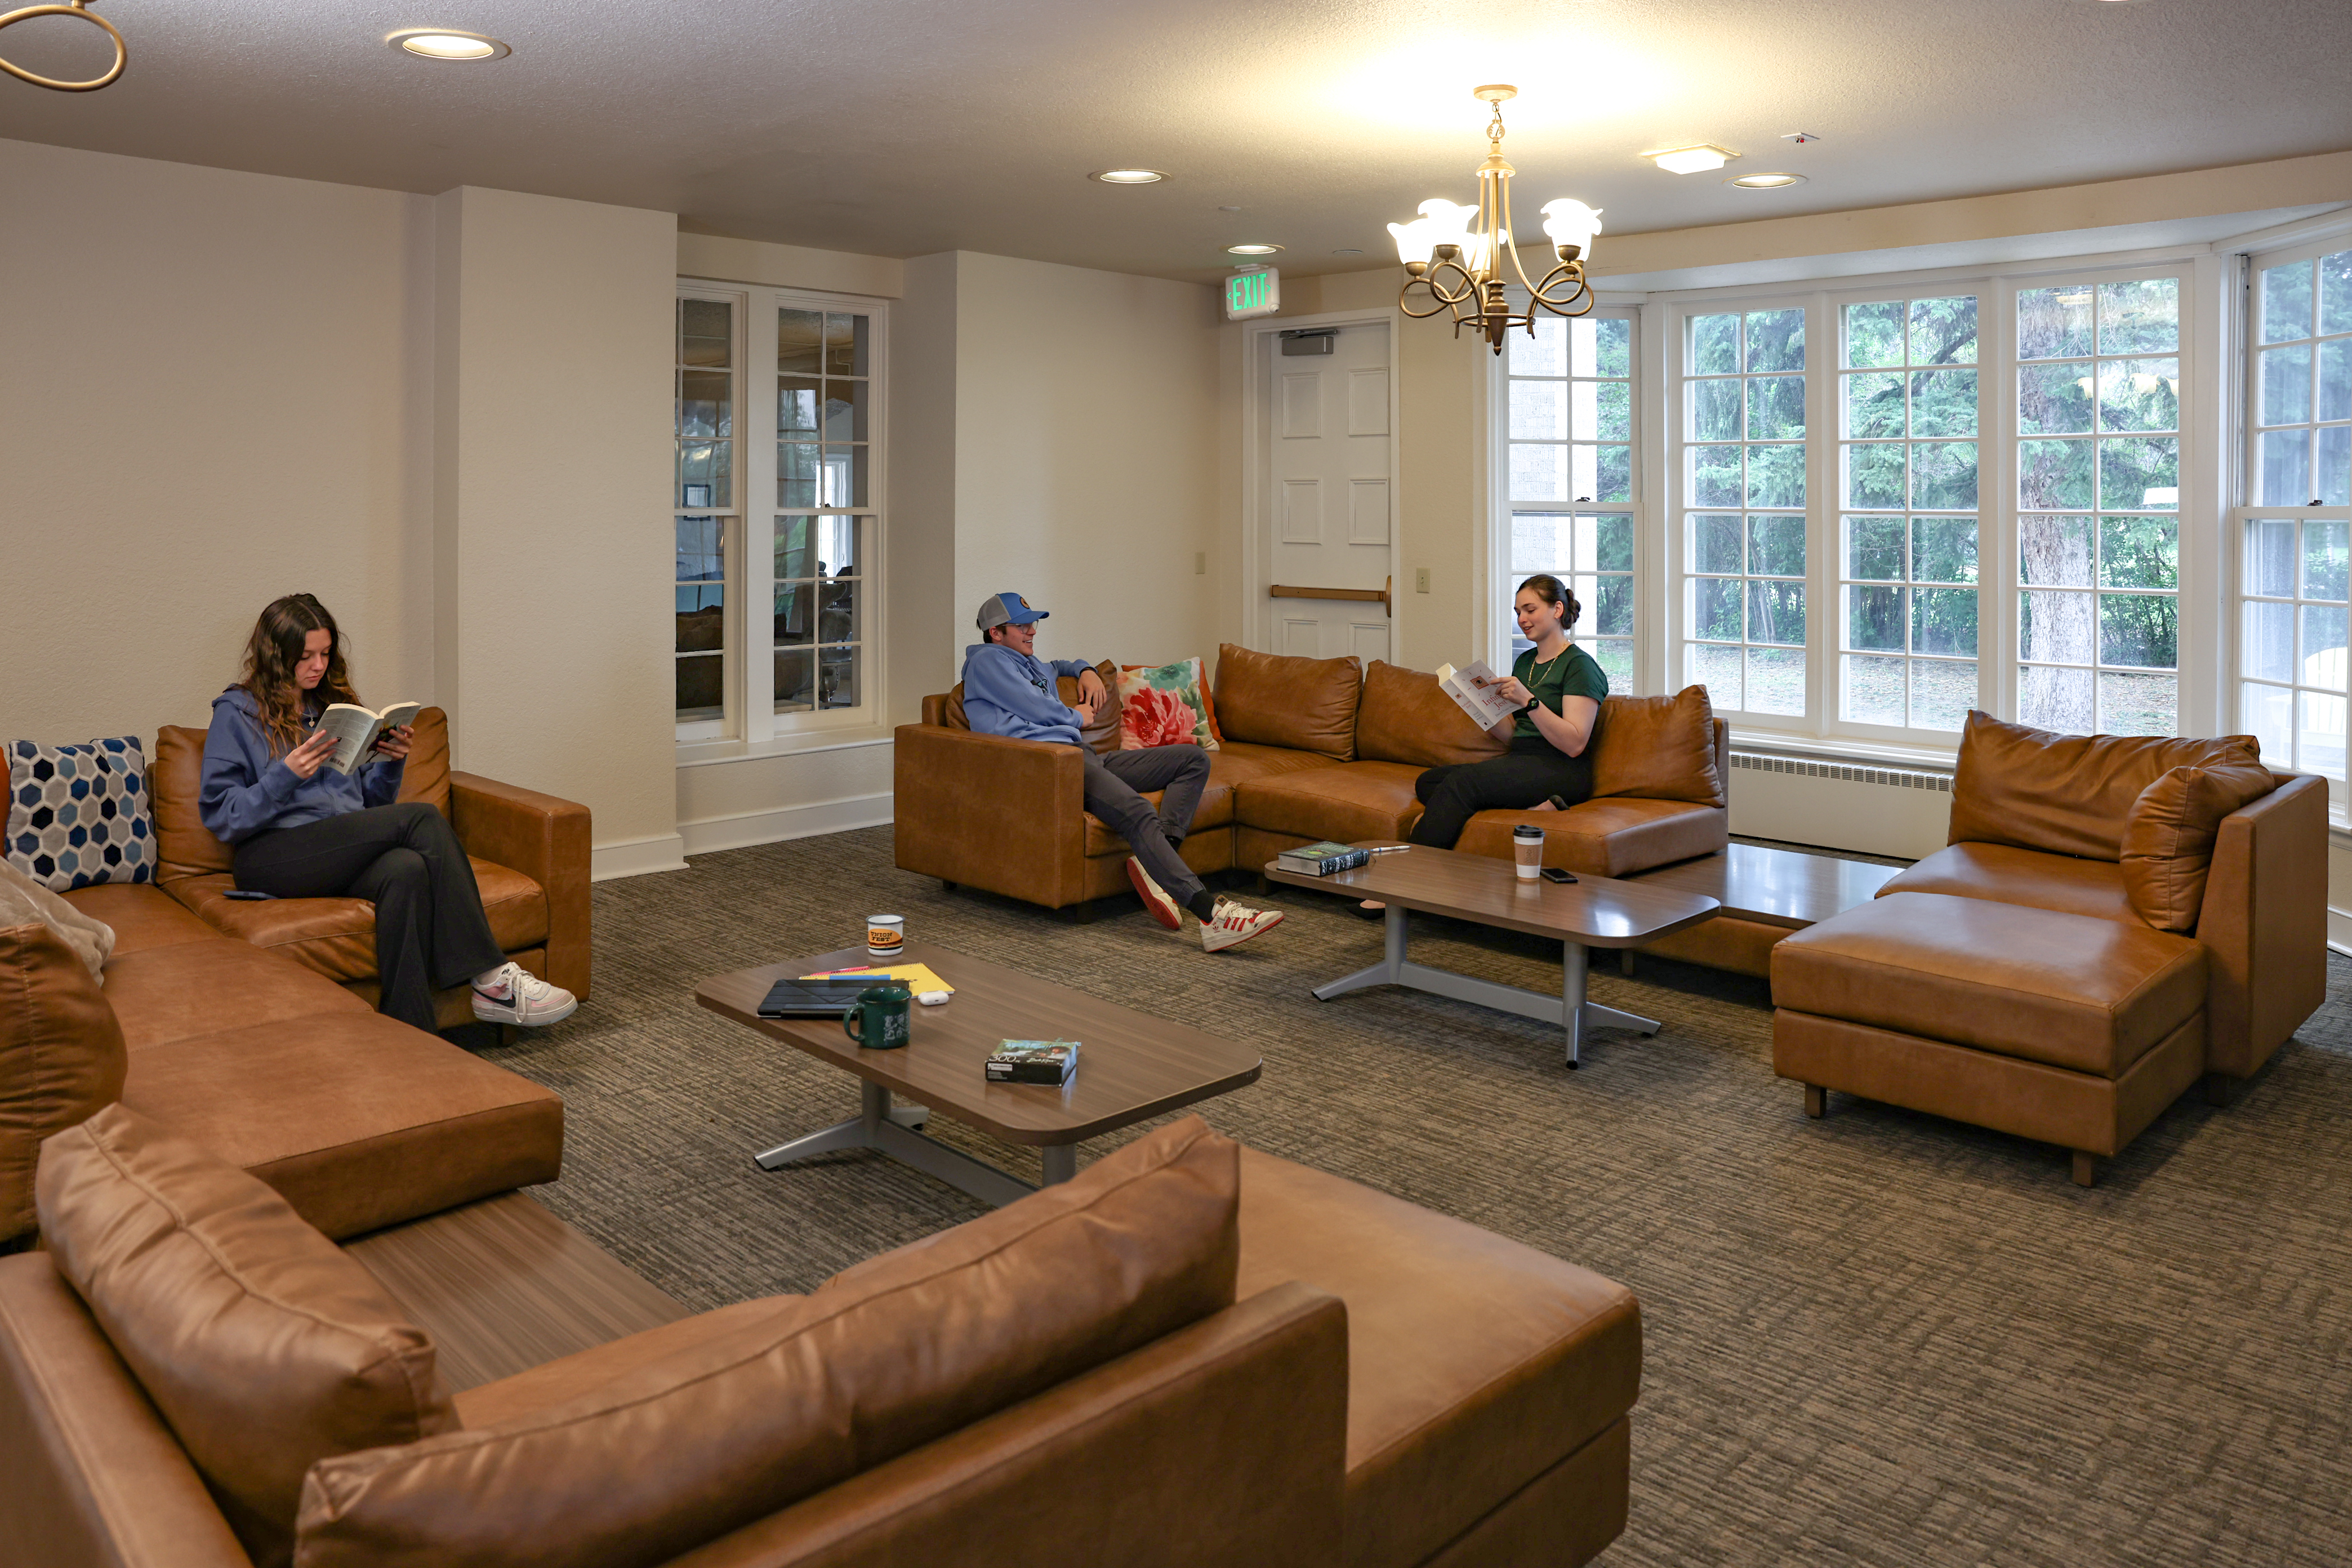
1375 596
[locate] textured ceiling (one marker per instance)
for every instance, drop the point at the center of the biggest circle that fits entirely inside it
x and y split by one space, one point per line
899 127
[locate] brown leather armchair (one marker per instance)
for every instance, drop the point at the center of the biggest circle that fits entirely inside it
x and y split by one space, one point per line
529 853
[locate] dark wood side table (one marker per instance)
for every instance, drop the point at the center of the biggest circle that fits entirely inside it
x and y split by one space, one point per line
1131 1066
1592 912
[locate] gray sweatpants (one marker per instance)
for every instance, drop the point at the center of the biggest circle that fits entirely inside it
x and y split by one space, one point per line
1115 786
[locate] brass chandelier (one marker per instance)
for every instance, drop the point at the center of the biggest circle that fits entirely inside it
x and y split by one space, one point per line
78 8
1454 254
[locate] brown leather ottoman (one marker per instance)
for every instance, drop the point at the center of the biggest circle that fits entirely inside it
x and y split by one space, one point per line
1490 1386
2064 1027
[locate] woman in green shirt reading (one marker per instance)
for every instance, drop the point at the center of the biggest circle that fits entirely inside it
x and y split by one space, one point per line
1559 689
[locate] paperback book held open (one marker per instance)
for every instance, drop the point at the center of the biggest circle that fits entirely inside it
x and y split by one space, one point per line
1485 705
355 729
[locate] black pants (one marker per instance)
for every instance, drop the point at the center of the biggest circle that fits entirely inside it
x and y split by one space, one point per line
1115 783
430 931
1533 769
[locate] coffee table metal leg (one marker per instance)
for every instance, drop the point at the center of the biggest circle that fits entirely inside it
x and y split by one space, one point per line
1573 959
1061 1162
1389 971
879 1125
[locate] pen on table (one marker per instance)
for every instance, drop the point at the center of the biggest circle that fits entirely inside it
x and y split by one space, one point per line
1389 849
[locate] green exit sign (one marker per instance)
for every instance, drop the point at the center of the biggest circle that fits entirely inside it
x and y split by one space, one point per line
1253 294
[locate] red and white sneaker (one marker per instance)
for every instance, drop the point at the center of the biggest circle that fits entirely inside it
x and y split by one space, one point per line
1235 922
1156 901
518 997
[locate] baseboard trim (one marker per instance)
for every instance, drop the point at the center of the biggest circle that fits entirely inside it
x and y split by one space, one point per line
636 856
772 827
2339 930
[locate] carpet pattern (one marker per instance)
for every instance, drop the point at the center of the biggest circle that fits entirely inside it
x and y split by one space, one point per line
1878 1338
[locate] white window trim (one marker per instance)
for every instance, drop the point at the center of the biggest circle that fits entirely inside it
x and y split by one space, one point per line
752 728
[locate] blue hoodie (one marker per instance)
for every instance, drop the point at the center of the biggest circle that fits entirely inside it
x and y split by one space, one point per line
1009 693
246 789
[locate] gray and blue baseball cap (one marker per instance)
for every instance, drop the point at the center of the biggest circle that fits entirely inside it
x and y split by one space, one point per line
1006 610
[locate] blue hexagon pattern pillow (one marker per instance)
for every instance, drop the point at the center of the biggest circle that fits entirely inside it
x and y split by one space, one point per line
79 814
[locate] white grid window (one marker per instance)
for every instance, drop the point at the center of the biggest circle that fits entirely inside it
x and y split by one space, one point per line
2098 531
2292 697
1570 464
702 498
1744 519
2303 384
824 425
1907 533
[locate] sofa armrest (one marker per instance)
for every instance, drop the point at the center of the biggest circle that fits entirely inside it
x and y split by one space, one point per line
1224 1443
2264 923
1005 816
93 1475
546 839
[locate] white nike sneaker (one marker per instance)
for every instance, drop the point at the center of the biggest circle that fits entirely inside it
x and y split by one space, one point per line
515 995
1235 922
1156 903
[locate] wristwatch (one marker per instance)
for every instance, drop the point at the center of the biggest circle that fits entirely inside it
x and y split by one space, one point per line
1533 703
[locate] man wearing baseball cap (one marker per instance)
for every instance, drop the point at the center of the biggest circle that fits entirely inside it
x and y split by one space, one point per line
1008 690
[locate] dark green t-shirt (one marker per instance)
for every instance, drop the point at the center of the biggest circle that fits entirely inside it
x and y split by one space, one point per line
1572 674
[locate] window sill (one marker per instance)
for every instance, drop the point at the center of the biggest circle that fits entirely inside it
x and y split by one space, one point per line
1861 753
704 754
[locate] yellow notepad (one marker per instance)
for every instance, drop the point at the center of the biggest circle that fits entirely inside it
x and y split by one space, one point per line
916 977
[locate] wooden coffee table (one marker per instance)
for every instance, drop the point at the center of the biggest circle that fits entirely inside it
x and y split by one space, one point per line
1592 912
1131 1066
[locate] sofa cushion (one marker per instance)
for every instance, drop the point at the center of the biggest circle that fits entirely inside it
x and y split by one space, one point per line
1475 1364
1348 803
336 937
184 846
264 1346
141 917
2067 793
366 1121
61 1057
1614 837
2167 842
1103 734
885 1357
166 994
1405 716
26 901
1306 704
1657 748
2008 875
1216 810
2091 995
425 775
583 1374
1237 763
78 815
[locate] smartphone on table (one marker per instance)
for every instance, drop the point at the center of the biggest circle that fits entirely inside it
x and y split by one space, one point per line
1558 874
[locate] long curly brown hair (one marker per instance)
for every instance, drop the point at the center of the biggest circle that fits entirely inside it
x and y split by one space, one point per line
270 656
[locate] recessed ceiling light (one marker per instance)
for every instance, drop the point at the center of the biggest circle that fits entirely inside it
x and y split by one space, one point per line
1765 182
1252 249
1691 160
446 44
1129 176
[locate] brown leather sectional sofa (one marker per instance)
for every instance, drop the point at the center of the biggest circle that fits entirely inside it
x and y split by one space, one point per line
1312 749
1374 1386
2114 916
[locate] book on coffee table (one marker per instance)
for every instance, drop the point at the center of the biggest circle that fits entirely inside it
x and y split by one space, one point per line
1323 859
1033 1061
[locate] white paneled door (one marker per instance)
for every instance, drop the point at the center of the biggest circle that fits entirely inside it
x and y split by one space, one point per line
1330 512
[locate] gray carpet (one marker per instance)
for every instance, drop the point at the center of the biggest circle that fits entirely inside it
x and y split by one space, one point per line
1877 1339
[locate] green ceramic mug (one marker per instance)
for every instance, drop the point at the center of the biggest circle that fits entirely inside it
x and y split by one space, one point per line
878 1022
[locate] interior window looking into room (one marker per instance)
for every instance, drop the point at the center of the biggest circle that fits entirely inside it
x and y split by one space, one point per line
2291 649
823 406
703 494
1907 528
2098 529
1569 421
1744 509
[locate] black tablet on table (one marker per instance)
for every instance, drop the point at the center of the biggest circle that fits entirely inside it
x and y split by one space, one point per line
811 998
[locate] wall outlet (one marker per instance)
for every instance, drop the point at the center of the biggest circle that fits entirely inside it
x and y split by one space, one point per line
1421 579
1200 563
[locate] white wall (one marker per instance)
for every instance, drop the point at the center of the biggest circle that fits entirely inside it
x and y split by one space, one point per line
1086 456
216 388
553 403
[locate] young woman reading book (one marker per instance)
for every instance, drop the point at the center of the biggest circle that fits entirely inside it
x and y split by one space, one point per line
299 830
1557 689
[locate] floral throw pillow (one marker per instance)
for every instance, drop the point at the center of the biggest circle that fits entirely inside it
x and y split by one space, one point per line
1165 705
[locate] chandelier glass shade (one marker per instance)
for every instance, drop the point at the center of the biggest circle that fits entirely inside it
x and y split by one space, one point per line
1455 256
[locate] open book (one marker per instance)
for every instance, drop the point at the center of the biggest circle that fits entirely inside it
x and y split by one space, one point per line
1485 705
355 729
